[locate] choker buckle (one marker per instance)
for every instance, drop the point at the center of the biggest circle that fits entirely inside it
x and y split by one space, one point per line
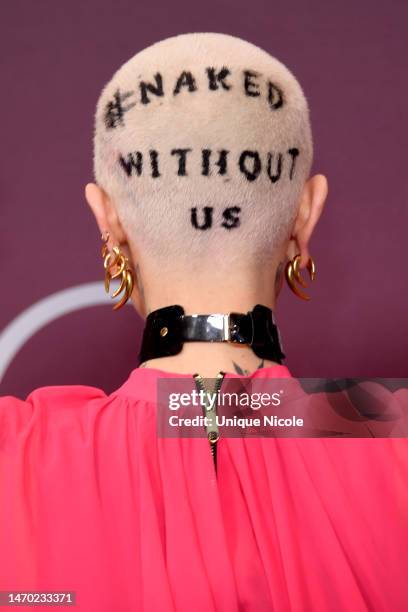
227 327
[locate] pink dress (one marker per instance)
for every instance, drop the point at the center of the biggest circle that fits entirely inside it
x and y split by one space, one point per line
92 501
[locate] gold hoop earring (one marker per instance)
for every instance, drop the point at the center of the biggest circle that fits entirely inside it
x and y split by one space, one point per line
117 259
293 276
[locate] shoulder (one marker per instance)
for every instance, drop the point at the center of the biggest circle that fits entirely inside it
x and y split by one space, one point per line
72 394
16 413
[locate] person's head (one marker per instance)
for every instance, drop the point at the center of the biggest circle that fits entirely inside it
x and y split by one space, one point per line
202 159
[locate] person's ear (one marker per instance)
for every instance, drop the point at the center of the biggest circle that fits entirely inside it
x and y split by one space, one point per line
108 221
105 213
311 205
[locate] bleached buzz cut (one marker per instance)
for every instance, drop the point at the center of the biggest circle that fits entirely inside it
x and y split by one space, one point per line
203 143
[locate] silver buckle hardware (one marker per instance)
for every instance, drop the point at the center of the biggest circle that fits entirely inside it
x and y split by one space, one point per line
226 328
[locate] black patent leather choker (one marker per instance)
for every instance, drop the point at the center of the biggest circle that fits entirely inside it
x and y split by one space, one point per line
168 328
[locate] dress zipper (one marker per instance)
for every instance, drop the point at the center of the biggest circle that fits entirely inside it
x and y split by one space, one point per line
213 433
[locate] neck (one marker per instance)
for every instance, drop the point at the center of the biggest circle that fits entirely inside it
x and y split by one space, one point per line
208 358
207 295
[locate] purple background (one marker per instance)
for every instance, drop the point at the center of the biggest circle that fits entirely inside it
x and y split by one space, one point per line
350 59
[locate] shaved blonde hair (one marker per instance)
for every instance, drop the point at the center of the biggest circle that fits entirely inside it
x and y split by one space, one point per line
203 142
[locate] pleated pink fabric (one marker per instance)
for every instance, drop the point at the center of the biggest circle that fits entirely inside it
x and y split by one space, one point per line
92 501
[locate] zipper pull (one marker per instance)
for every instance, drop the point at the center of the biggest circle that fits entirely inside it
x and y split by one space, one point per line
210 412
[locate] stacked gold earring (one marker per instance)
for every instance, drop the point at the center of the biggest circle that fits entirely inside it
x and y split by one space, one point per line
116 259
293 276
